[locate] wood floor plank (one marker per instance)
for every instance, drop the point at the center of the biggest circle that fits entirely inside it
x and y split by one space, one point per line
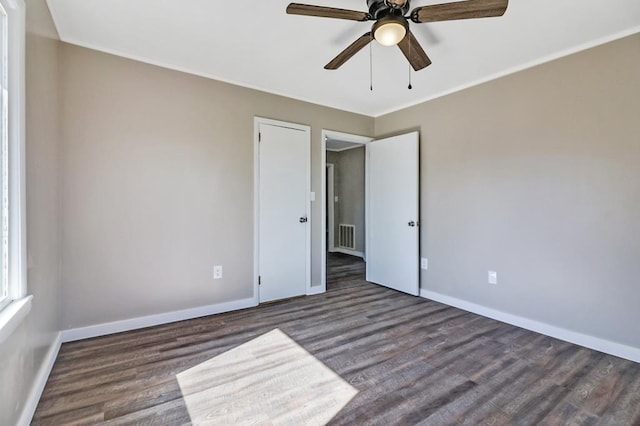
407 360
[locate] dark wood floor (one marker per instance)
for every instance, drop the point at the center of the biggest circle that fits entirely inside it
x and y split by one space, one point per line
412 361
342 267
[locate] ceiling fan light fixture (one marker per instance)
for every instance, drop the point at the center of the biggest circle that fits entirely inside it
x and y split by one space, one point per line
390 30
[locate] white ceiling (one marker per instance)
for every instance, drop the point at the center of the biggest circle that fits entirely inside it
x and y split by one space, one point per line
254 43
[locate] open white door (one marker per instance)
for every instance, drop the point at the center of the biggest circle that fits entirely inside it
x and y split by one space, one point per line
392 213
284 237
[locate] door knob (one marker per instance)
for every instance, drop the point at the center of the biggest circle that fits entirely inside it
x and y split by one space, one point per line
303 219
412 224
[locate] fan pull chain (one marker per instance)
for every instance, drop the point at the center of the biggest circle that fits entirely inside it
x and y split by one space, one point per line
371 66
410 86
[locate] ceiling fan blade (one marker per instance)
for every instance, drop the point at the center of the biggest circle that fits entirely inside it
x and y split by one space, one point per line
347 53
459 10
327 12
414 52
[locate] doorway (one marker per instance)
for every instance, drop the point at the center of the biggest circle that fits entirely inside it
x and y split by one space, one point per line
343 231
391 228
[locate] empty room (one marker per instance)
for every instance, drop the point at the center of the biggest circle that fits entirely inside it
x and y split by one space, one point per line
363 212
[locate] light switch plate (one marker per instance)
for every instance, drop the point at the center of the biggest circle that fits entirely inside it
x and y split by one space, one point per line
493 277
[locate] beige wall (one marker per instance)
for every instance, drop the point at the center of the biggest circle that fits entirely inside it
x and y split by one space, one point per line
23 353
158 186
536 175
531 175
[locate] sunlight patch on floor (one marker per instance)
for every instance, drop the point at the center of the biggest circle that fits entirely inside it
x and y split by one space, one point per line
268 380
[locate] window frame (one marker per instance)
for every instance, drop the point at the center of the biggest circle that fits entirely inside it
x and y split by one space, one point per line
5 296
18 304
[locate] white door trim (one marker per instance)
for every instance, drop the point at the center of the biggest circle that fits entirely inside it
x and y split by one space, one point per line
257 121
348 137
331 206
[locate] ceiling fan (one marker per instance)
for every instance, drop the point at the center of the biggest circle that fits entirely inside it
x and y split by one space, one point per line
391 26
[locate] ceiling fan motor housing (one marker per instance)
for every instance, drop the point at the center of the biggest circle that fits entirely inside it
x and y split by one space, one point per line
381 8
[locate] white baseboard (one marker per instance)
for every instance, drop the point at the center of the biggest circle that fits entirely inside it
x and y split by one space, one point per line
40 381
347 251
612 348
152 320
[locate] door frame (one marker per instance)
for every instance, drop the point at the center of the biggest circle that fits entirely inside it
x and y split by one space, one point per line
347 137
331 209
257 121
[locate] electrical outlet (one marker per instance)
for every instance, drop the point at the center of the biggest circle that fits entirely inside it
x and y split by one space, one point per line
424 263
493 277
217 272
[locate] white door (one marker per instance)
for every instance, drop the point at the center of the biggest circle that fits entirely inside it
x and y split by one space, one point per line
284 182
392 213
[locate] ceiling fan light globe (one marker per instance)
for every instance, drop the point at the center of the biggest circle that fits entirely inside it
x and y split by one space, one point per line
390 33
